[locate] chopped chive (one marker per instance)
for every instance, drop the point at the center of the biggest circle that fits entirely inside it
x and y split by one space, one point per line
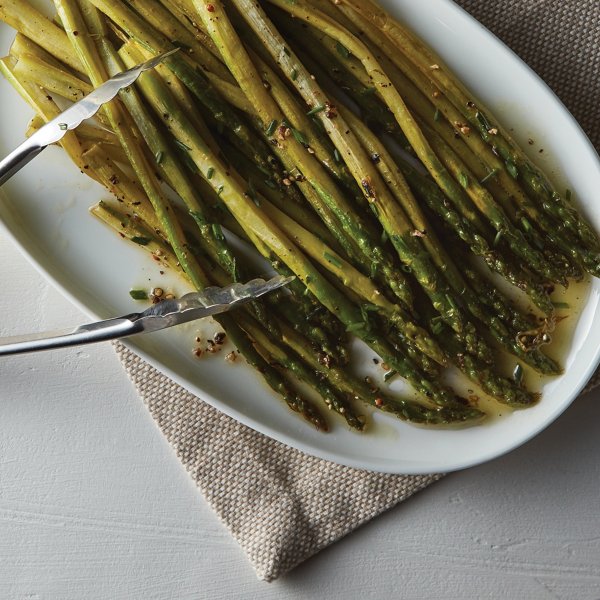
294 74
373 269
141 240
389 375
355 327
234 270
217 232
332 259
437 115
497 238
336 155
63 126
437 326
198 217
139 294
271 184
489 175
342 50
561 305
299 137
159 156
384 236
271 127
451 301
182 145
220 190
463 179
483 120
210 173
316 109
364 313
526 224
518 374
512 169
369 90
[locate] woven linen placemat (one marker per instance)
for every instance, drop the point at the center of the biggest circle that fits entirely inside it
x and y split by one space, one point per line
281 505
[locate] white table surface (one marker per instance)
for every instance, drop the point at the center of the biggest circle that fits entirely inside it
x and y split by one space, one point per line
94 504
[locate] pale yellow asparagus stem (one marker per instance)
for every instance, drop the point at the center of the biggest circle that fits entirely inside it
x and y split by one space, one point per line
56 81
23 17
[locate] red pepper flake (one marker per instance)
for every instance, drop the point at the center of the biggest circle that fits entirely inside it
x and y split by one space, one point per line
330 110
378 402
367 186
210 8
283 132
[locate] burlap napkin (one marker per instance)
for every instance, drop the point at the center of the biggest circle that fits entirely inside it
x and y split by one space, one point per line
281 505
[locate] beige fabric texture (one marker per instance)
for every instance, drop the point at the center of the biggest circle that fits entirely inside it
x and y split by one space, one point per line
281 505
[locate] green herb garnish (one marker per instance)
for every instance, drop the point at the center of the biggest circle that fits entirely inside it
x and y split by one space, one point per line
271 127
139 294
512 169
489 175
316 109
141 240
182 145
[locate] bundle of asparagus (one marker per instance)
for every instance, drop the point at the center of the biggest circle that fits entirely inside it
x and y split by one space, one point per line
329 137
